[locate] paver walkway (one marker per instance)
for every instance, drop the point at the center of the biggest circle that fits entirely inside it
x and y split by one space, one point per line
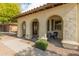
62 51
5 51
10 45
52 47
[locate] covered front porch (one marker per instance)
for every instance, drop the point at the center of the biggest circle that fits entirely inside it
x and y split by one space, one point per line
58 24
52 30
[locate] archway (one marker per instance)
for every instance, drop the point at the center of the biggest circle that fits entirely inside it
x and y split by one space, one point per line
23 29
55 29
35 29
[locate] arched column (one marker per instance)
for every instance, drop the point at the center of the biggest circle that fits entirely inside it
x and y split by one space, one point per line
42 27
28 29
19 33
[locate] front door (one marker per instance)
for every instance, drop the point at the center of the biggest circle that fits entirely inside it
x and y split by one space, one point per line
35 27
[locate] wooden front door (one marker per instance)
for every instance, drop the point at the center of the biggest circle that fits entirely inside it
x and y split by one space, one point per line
35 28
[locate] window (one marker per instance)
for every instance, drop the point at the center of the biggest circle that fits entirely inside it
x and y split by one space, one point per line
48 25
58 25
24 25
35 27
52 22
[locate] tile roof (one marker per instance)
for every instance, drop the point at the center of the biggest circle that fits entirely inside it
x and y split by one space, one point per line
39 8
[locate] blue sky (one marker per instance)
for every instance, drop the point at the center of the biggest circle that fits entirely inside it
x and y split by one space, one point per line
24 6
29 6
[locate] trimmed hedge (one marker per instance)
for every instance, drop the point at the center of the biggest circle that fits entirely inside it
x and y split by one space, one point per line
41 44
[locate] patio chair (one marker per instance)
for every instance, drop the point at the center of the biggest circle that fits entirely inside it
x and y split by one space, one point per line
52 35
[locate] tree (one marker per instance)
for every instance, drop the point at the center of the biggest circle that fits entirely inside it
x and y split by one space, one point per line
7 11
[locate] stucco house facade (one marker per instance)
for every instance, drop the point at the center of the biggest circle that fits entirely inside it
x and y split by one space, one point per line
53 17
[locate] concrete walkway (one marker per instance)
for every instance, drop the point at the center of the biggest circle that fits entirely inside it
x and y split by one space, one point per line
10 45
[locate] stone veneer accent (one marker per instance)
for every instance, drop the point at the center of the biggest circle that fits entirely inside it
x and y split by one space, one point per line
70 29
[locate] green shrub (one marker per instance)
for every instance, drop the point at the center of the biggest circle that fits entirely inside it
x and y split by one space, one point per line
41 44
